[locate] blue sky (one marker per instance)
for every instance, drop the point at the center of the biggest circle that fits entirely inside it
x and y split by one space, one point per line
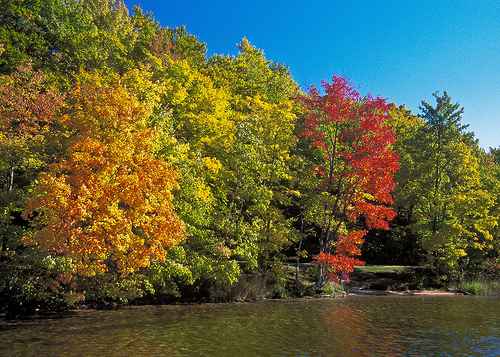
401 50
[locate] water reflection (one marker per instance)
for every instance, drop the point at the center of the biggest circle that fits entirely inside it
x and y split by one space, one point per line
355 326
414 326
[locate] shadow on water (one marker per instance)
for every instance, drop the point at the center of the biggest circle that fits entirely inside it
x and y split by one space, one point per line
355 326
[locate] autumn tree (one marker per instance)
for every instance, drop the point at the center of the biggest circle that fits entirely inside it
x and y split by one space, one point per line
256 167
486 252
235 146
28 108
107 204
192 118
354 173
451 207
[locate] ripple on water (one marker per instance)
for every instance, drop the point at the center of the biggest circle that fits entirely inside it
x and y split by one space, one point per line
355 326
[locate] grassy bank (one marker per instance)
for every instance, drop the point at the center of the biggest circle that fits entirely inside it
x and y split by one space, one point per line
282 283
480 287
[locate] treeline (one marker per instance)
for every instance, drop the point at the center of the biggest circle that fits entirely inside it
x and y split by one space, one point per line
133 166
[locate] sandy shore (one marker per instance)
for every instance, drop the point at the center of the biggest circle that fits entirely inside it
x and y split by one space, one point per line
404 293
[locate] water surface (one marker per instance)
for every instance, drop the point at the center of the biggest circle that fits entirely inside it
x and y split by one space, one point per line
354 326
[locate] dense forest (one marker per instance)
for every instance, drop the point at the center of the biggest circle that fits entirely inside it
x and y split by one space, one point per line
134 167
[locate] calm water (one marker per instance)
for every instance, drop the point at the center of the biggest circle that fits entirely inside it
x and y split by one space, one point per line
355 326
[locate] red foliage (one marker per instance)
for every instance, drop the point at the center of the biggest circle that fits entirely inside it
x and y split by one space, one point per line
357 168
342 262
162 47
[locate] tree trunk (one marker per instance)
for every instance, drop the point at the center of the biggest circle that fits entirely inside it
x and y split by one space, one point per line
300 247
11 178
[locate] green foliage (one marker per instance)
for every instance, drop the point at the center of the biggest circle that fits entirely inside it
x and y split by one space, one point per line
31 280
278 278
250 74
105 288
476 277
187 47
146 27
66 35
475 288
22 32
334 289
440 189
233 151
110 37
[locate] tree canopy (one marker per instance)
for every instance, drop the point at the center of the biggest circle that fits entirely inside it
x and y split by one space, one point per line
134 166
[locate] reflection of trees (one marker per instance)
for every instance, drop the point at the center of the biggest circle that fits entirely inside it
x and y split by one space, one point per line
356 326
350 329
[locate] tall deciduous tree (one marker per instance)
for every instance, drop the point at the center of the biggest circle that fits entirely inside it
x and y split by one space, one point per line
236 143
107 204
453 209
354 173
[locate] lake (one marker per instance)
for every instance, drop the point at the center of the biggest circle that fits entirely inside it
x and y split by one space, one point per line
352 326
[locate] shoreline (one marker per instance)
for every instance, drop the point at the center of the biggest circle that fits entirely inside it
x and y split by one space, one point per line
354 293
370 292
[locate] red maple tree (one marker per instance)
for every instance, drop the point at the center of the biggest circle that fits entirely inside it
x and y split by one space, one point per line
355 174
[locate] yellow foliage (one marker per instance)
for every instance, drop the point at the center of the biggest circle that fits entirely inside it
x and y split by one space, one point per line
212 165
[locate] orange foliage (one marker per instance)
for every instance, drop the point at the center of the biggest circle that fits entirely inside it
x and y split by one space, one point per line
108 204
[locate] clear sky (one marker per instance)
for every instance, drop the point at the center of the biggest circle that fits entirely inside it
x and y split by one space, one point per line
402 50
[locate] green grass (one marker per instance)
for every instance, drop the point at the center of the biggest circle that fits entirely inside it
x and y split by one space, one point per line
382 268
481 287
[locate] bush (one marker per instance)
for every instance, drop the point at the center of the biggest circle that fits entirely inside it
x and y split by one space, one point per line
480 287
483 279
334 289
473 287
248 287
